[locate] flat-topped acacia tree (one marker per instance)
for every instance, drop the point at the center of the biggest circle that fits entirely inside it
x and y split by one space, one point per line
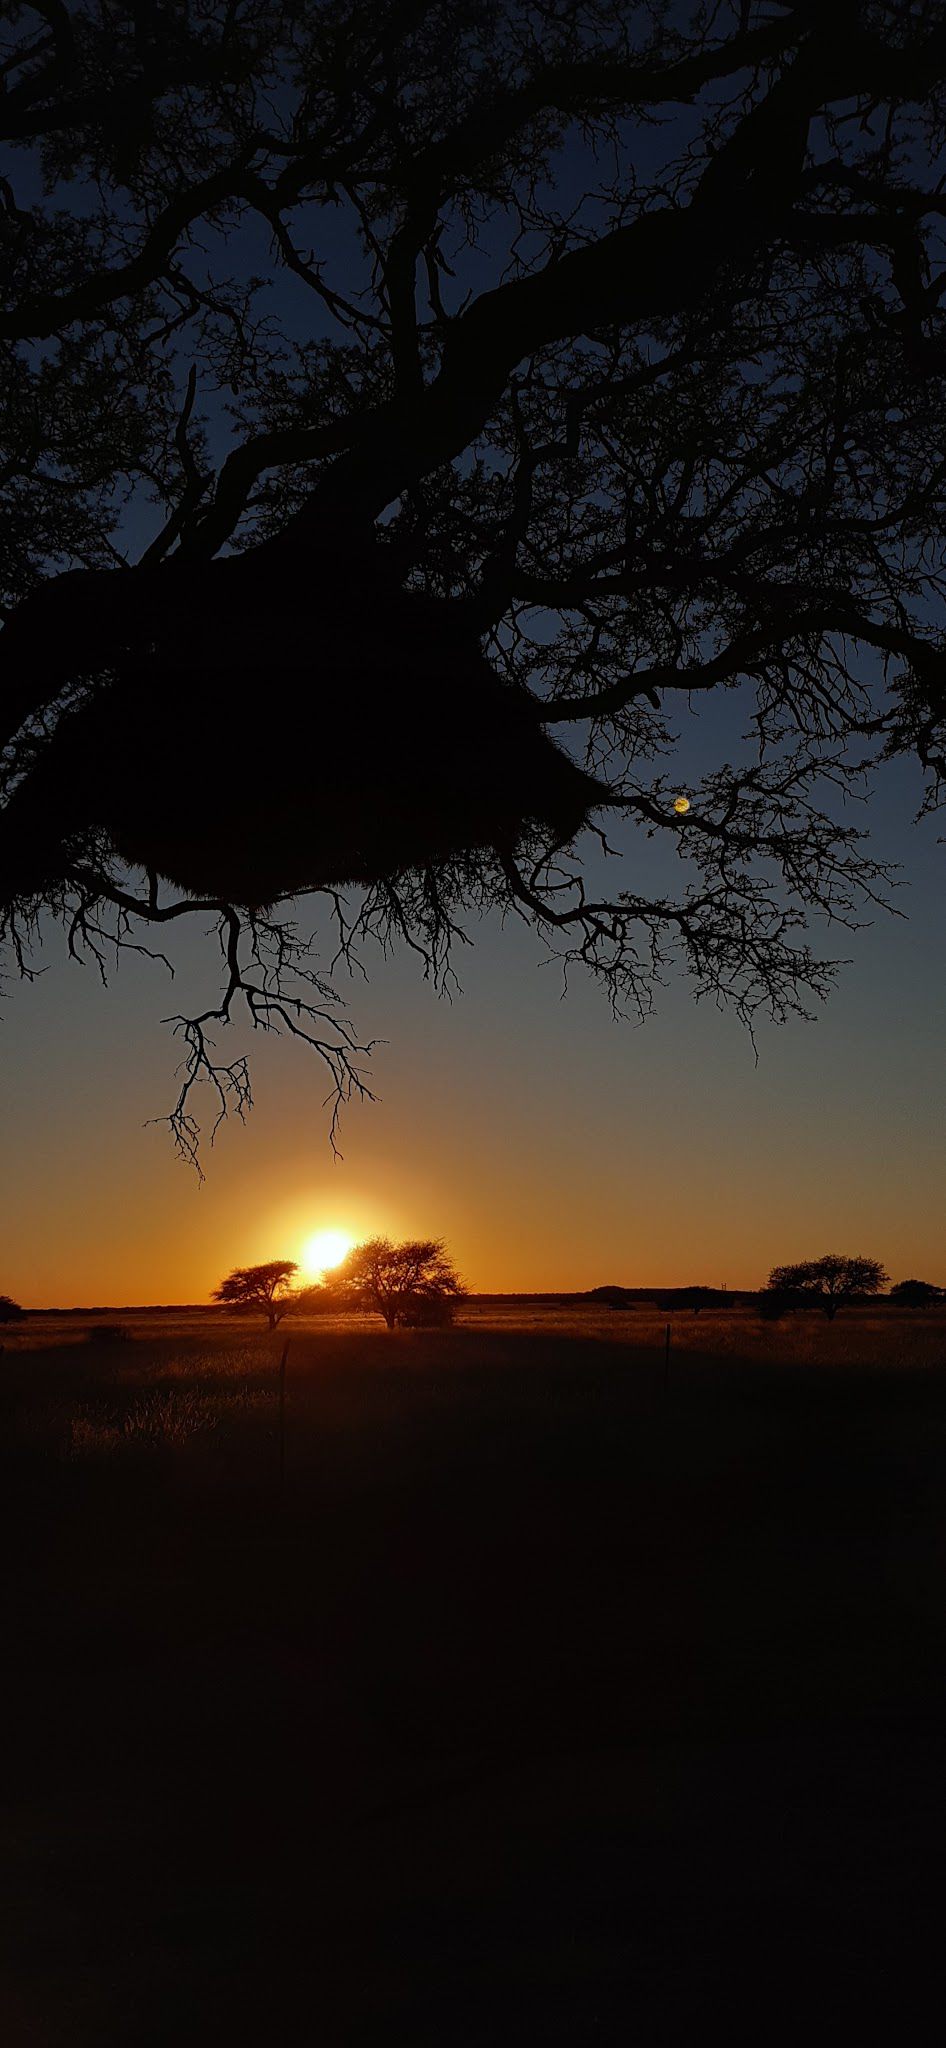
468 395
265 1290
830 1281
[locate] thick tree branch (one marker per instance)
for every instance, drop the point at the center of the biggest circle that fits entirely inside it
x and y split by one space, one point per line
44 313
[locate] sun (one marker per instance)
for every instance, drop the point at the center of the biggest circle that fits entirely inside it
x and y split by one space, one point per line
325 1250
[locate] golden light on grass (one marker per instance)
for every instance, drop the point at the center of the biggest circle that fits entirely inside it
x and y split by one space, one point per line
681 805
323 1251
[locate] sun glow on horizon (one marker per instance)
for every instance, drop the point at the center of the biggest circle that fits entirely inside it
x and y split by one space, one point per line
324 1250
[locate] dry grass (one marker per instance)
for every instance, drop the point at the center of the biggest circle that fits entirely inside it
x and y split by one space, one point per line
173 1380
162 1420
876 1335
539 1690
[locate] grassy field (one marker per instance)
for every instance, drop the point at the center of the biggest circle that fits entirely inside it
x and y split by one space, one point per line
547 1700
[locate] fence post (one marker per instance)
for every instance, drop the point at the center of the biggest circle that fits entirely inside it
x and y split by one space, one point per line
282 1416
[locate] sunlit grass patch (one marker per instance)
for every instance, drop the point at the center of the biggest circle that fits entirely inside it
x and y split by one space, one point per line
231 1361
161 1419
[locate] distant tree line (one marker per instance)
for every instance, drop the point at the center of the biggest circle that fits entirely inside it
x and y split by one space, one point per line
829 1283
836 1280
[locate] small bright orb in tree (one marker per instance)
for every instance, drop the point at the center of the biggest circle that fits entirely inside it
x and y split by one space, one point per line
681 805
325 1250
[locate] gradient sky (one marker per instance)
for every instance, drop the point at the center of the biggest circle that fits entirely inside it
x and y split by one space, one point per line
553 1147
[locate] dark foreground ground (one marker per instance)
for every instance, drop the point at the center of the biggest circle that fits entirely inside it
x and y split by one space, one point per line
543 1706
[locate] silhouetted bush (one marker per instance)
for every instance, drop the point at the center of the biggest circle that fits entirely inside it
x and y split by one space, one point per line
916 1294
777 1302
695 1298
428 1312
10 1311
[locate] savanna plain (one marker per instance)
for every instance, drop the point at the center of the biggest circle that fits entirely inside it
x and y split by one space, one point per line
510 1682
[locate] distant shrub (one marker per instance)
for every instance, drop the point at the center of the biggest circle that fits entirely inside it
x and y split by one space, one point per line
428 1312
10 1311
695 1298
110 1333
777 1302
916 1294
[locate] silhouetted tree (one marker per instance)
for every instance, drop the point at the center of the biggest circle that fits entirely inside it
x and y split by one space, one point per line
10 1311
266 1288
774 1303
829 1281
916 1294
497 466
695 1298
413 1284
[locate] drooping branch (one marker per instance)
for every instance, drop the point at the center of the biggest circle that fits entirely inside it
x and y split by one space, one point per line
270 978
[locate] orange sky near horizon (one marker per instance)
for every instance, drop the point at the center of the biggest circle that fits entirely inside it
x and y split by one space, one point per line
553 1148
